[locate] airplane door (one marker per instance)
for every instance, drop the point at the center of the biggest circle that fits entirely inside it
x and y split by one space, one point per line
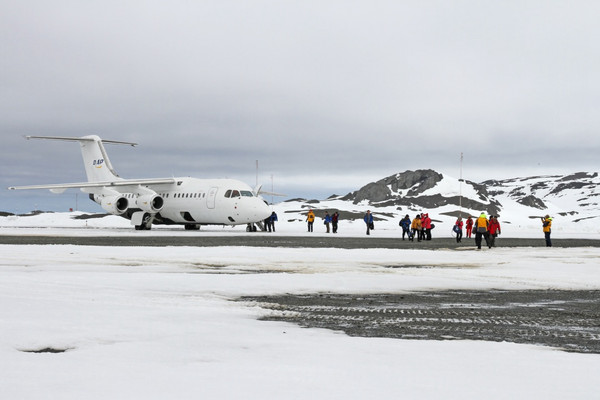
210 200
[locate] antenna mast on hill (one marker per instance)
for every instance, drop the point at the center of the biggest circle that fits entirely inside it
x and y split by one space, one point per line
271 189
460 181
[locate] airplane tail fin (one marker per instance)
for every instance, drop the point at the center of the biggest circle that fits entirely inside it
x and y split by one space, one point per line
98 167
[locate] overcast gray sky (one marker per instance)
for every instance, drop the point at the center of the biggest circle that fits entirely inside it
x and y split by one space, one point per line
327 95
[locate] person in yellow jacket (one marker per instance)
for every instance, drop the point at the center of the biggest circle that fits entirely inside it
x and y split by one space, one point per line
310 218
481 230
547 228
416 227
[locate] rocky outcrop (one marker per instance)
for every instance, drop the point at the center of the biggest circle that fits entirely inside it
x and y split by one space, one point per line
415 182
532 201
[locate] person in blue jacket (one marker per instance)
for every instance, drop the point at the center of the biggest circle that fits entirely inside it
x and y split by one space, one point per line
273 218
369 221
405 224
327 220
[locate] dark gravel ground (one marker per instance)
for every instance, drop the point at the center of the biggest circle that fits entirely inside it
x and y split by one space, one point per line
262 240
568 320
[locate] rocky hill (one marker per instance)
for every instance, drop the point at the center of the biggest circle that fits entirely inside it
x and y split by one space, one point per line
574 198
425 190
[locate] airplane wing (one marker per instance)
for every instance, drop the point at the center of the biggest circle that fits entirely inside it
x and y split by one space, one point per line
61 187
258 191
272 193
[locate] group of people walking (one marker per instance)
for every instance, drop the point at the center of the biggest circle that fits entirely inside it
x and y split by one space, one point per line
419 227
327 220
483 228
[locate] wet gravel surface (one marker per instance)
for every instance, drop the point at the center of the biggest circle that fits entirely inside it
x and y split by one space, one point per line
567 320
268 240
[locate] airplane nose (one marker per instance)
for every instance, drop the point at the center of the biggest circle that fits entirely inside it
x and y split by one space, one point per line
256 212
263 210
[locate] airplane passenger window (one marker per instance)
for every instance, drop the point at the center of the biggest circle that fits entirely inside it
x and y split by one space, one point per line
228 194
246 193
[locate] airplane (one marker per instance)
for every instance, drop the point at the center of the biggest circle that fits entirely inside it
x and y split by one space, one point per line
190 202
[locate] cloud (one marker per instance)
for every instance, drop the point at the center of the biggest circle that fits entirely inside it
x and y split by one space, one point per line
337 89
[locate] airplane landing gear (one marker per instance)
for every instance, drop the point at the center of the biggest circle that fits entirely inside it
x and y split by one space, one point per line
251 228
146 222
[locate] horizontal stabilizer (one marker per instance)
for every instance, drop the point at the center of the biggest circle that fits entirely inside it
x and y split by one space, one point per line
80 139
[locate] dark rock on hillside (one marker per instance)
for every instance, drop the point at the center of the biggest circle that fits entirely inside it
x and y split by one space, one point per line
571 185
416 182
577 176
532 201
374 192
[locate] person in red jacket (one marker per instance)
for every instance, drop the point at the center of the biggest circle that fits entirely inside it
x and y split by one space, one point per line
494 230
426 223
469 226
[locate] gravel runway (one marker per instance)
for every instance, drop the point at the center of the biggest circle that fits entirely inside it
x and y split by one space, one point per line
268 240
567 320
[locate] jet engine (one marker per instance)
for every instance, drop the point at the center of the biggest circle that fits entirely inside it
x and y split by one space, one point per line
151 203
113 204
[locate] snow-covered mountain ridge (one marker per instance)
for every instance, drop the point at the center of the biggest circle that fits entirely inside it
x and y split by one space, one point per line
570 199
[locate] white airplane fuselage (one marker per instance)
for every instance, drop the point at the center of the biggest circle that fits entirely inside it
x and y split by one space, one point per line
203 202
186 201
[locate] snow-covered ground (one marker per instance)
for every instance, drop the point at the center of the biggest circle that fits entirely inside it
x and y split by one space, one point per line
291 222
154 323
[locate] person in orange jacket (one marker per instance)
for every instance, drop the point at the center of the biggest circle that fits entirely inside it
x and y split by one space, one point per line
481 230
494 230
416 227
310 218
547 228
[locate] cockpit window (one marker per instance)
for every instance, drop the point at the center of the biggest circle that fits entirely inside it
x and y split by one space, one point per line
235 193
228 193
247 193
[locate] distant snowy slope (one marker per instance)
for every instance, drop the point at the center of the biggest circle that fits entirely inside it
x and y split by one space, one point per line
572 200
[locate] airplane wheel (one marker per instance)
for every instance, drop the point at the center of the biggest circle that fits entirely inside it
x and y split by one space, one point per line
146 222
